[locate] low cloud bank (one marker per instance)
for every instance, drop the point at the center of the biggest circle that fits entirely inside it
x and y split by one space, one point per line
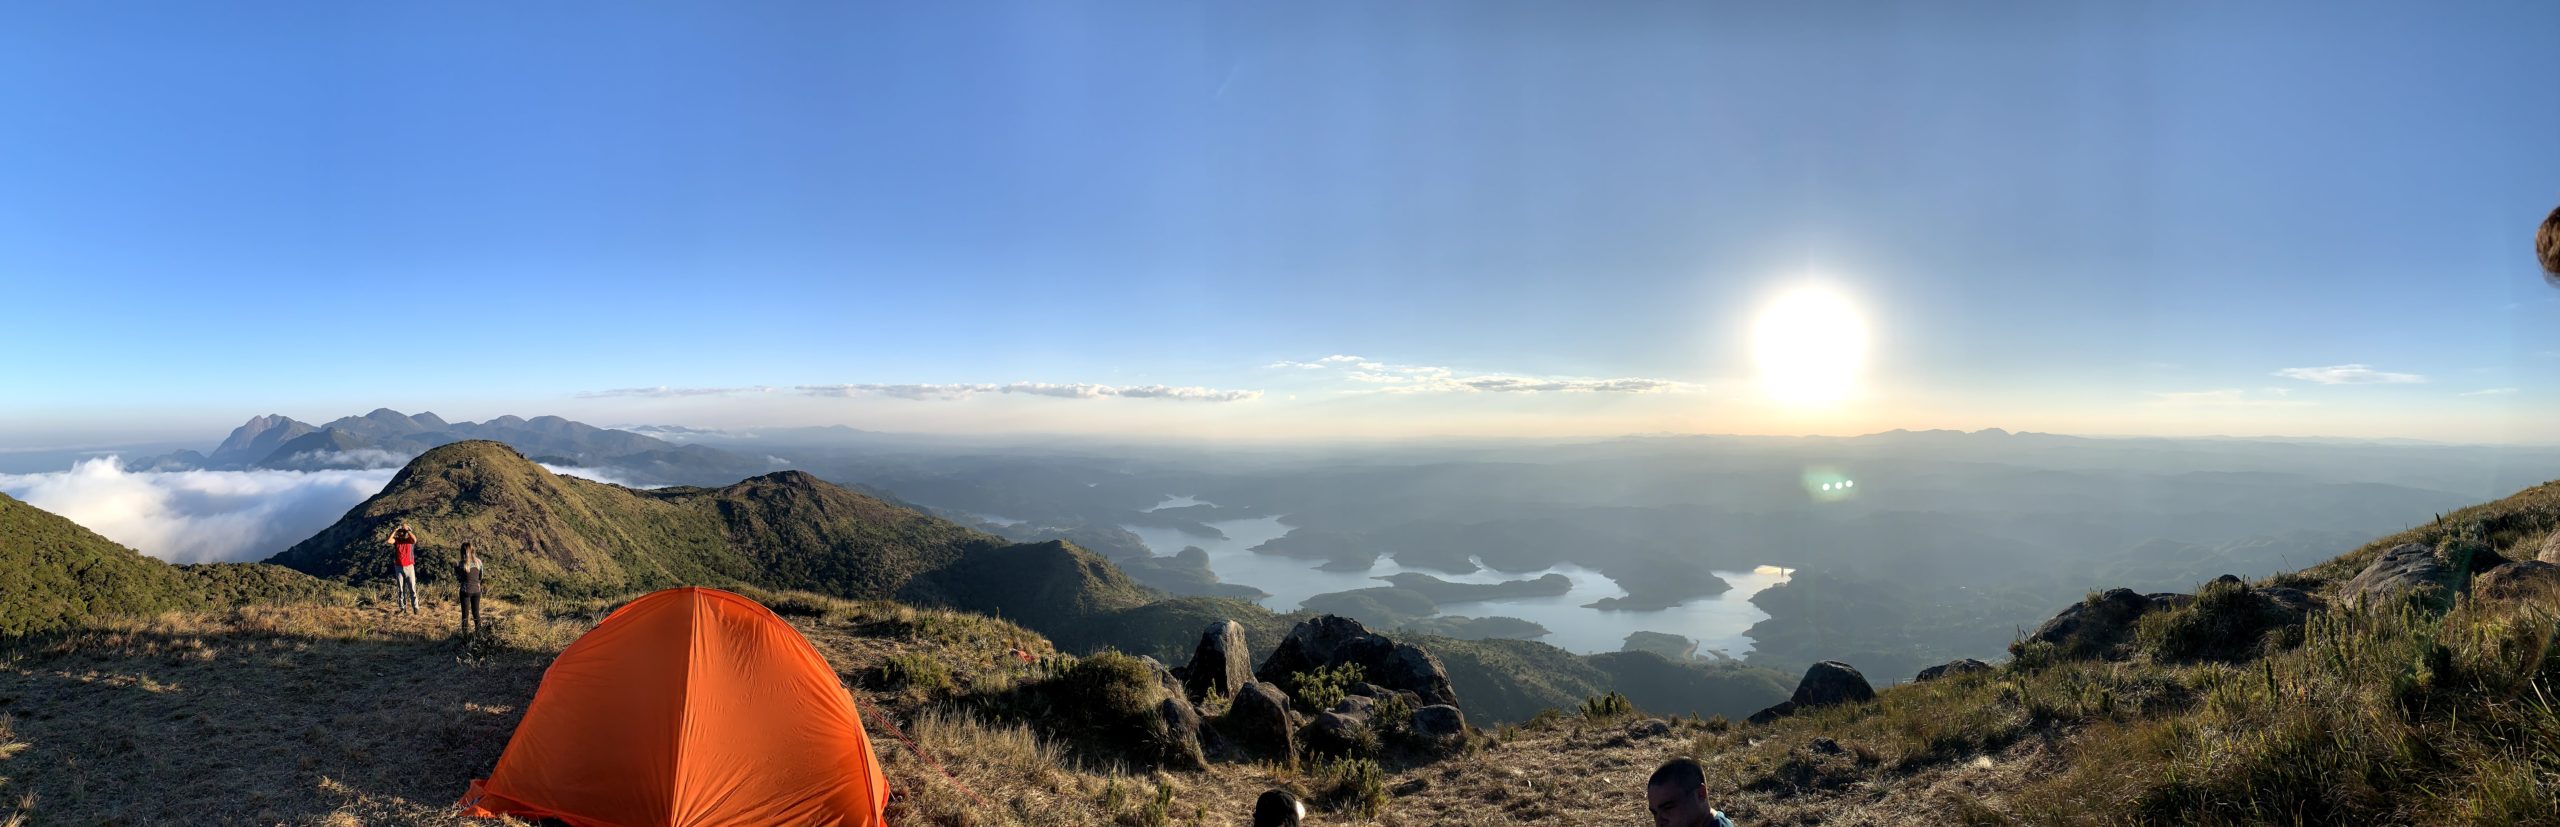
198 516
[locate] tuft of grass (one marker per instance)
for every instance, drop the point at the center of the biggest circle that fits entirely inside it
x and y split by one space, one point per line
1353 786
1605 708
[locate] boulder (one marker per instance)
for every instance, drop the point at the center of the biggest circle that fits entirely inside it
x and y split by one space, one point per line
1648 728
2550 549
1333 733
1357 706
1439 722
2406 570
2102 624
1220 663
1333 640
2519 580
1952 668
1831 683
1181 738
1259 720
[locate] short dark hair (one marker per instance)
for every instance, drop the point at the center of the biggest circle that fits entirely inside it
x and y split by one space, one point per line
1680 773
1275 808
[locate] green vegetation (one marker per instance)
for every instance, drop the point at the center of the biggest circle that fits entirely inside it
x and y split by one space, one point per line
1601 709
1356 787
55 574
1320 689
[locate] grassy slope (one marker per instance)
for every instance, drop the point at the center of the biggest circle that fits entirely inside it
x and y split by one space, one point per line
54 574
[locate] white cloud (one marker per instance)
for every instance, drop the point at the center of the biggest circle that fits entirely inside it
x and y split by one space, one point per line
361 458
2350 375
1049 389
603 475
2225 398
198 516
1188 394
1394 378
899 391
664 392
2490 392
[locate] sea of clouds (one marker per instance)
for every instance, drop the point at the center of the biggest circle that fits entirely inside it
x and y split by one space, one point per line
198 516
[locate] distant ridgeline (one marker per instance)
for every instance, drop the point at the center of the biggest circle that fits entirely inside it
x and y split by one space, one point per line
387 437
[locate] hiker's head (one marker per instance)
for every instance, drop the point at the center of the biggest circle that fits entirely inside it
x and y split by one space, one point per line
2546 246
1677 795
467 553
1277 809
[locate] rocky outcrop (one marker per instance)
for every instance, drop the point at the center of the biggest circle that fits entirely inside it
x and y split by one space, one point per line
1952 668
1220 663
1829 683
1181 740
2550 549
1259 720
1332 640
1439 723
2101 625
2406 571
2519 580
1335 733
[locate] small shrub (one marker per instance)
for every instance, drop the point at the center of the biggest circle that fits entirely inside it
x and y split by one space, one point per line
916 672
1393 717
1357 786
1606 708
1321 688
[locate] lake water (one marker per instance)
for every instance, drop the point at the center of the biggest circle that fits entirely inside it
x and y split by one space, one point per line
1716 622
1171 501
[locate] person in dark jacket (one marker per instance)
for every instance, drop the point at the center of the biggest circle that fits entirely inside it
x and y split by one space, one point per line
467 574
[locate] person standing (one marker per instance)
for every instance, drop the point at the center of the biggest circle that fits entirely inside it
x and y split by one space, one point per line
405 543
467 574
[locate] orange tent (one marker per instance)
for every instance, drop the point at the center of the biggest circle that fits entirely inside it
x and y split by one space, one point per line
689 706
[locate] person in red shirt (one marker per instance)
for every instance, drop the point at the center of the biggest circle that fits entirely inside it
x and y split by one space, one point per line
405 543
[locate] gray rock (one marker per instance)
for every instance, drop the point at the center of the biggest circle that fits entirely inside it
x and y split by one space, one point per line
2406 570
1333 640
1824 746
1951 668
1648 728
2519 580
1180 740
1259 720
1831 683
2550 549
1220 663
1781 710
1333 733
2102 626
1439 722
1357 706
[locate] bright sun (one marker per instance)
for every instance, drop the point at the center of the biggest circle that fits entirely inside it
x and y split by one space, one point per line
1810 345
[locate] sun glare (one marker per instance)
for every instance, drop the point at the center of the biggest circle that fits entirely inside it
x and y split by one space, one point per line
1810 345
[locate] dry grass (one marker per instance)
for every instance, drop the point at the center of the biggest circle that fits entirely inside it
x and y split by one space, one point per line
348 714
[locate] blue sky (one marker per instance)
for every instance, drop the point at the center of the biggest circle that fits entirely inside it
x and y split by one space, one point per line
2094 218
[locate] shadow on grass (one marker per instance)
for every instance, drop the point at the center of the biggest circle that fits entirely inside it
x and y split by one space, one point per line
203 723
